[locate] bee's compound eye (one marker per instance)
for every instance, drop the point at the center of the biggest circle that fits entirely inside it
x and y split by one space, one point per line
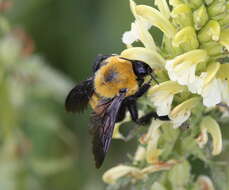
123 90
141 69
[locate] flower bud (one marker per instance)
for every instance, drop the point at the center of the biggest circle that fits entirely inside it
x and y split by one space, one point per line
186 38
194 4
200 17
208 2
225 20
171 51
213 48
216 8
211 31
182 16
224 38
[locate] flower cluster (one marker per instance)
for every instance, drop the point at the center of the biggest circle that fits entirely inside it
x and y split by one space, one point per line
191 66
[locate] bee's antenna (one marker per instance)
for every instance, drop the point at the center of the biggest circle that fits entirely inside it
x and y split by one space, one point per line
152 77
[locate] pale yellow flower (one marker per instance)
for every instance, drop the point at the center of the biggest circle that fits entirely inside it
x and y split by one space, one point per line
182 112
162 96
113 174
209 125
183 67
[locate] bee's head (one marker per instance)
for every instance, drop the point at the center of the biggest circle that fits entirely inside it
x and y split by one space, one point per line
141 69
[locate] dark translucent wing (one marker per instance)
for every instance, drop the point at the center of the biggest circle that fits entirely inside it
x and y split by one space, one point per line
103 121
78 98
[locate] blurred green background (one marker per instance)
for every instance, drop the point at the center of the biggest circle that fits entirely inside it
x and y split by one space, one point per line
46 46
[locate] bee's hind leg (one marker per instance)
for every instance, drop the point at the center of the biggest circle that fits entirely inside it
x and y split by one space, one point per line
145 119
121 113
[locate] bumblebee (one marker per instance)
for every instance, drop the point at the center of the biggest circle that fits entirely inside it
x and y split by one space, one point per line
114 88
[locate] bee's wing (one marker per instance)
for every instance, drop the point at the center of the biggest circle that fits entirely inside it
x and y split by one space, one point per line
78 98
103 121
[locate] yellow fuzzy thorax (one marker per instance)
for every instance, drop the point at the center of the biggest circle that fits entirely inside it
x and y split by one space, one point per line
116 74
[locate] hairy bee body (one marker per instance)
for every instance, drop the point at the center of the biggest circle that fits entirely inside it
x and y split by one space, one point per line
113 89
115 74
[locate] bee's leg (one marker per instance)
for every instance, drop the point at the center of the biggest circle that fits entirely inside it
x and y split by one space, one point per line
132 107
145 119
121 113
142 90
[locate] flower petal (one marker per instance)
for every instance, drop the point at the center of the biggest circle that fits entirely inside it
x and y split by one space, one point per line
162 100
202 139
159 167
196 86
150 133
113 174
156 18
163 7
131 36
223 72
142 26
144 35
182 112
182 68
211 93
213 128
194 57
175 2
139 154
150 57
224 86
162 96
152 152
212 70
170 86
